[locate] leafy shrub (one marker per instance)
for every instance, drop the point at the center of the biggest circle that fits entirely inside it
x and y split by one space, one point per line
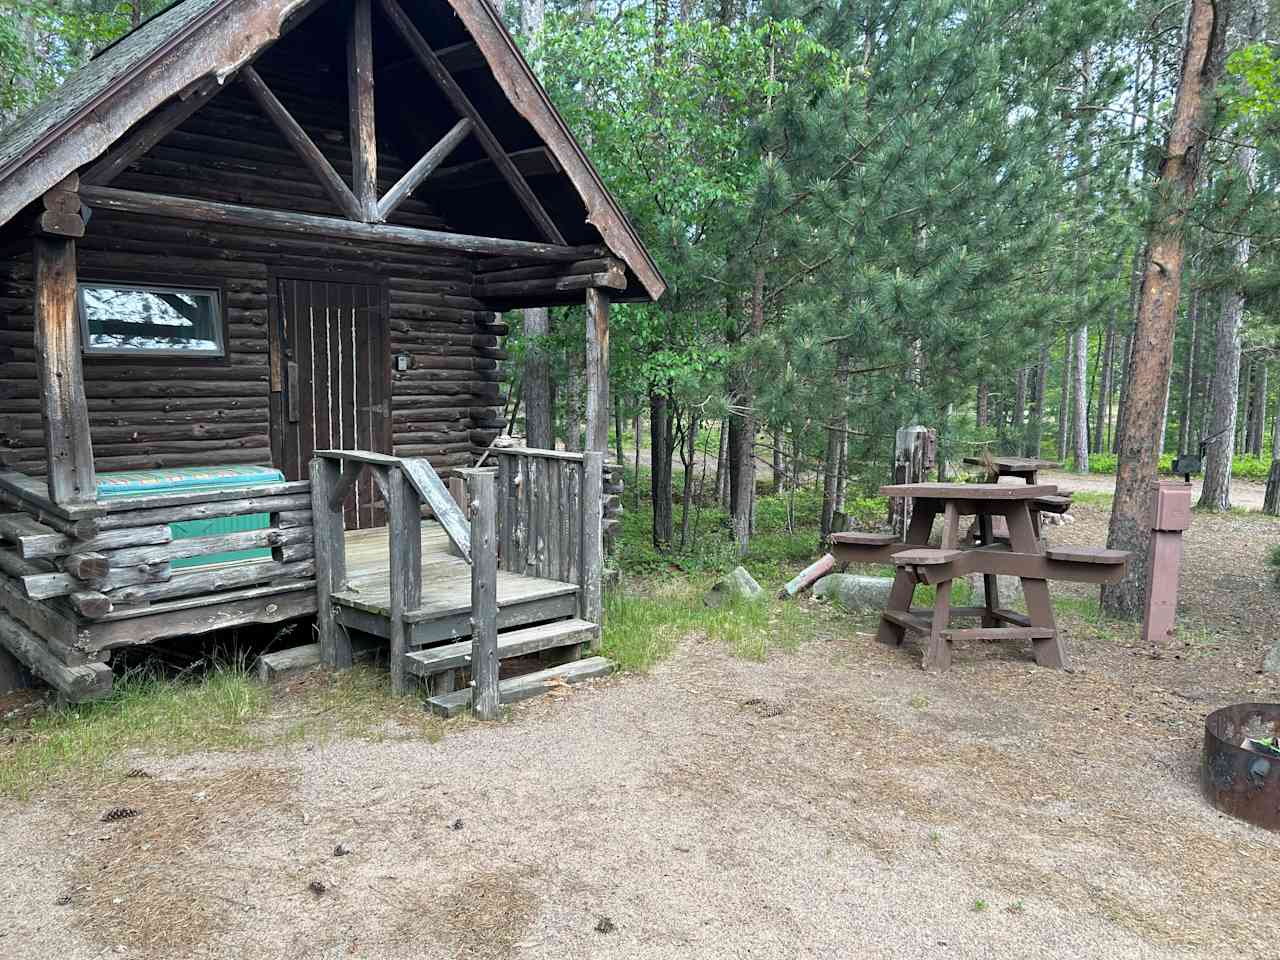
1242 468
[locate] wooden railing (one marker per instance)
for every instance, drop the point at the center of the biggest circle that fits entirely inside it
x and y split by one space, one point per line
550 515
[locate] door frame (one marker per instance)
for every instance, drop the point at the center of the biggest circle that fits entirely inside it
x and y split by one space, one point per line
275 346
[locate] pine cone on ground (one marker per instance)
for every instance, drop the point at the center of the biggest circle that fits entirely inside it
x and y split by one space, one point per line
119 813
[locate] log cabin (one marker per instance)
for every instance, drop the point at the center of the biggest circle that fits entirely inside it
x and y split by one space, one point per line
253 263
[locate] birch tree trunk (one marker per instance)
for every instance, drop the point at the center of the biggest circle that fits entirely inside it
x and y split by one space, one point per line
1202 65
1079 404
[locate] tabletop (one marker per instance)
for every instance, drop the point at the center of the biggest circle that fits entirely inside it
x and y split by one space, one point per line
1013 463
970 491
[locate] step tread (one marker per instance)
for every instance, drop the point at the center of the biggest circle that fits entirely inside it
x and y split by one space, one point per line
526 686
511 643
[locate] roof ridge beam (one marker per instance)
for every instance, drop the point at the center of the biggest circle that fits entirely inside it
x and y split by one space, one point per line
462 103
302 145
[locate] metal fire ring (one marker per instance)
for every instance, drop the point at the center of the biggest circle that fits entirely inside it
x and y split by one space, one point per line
1237 781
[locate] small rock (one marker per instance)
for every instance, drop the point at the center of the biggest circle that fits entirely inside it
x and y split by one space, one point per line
1271 662
605 925
738 585
456 825
63 900
854 592
1010 589
341 850
317 887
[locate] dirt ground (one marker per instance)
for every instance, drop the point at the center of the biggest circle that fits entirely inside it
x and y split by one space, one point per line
833 802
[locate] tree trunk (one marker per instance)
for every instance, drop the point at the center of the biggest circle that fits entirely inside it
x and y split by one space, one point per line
688 457
722 467
617 430
1202 64
1034 434
660 454
1019 403
538 430
830 479
572 403
637 483
1215 494
983 399
1258 416
1126 360
1079 405
1064 398
1189 371
779 475
1245 393
1104 389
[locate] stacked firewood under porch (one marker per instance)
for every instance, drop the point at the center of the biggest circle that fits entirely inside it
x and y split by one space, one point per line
451 591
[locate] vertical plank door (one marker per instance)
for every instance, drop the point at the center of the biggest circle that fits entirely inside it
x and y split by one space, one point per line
335 349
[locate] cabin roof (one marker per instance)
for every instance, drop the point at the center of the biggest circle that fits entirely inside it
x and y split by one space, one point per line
196 43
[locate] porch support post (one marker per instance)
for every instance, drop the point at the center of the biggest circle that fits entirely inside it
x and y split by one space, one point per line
364 146
64 412
597 370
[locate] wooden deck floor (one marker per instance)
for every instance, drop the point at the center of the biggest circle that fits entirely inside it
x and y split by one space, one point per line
446 579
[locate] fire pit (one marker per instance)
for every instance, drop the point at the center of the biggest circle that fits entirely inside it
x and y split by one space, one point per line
1237 779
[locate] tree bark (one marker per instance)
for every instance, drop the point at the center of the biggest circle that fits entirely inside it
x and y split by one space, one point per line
1064 398
1102 409
688 457
983 395
1189 371
1019 403
1258 414
742 430
1244 395
1034 434
722 467
538 422
1202 65
660 454
572 402
1079 404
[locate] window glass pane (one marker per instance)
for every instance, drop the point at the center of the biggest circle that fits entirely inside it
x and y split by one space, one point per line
124 319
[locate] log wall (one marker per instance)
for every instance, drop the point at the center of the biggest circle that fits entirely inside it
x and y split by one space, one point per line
147 412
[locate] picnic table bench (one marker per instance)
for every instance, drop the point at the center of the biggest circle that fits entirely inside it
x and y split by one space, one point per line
1020 555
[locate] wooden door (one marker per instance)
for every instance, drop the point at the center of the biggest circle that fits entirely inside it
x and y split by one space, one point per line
336 366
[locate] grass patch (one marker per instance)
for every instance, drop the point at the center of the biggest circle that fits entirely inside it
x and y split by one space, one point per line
1093 498
225 709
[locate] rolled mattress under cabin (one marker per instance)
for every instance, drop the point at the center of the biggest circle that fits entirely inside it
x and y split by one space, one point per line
141 483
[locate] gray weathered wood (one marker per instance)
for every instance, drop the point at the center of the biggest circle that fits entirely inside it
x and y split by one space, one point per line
330 558
592 537
431 489
462 104
404 523
272 665
208 511
49 543
214 580
264 218
126 505
84 528
91 604
527 686
202 546
597 371
484 593
43 619
46 586
68 450
302 145
513 643
85 682
86 566
360 106
405 186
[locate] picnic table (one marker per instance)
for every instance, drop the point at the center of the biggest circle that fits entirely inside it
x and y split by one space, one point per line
1022 556
1024 468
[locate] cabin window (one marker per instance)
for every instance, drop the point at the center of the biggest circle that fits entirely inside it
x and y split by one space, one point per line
120 319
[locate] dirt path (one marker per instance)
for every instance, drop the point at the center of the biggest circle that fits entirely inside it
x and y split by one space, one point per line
836 802
1243 493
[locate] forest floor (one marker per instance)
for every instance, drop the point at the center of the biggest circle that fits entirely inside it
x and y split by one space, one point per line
822 799
1245 495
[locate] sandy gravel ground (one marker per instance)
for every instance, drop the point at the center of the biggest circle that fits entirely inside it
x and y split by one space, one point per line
834 802
1244 493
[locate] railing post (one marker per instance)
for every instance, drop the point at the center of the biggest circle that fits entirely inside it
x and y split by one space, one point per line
331 560
404 528
482 507
591 597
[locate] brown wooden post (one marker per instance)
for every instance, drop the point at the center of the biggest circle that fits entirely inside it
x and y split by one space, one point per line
68 447
364 145
404 523
591 596
1171 516
483 509
331 558
597 370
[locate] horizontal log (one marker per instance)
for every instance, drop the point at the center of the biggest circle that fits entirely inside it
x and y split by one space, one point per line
43 619
212 581
203 546
85 682
90 604
499 269
121 505
46 586
86 566
519 289
262 218
35 546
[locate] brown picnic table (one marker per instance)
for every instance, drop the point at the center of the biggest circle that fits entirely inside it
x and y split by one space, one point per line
1024 468
1022 556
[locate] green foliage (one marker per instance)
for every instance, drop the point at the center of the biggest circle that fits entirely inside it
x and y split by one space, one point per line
1255 92
1243 467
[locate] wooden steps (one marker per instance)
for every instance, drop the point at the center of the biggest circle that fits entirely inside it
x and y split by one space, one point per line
513 643
527 686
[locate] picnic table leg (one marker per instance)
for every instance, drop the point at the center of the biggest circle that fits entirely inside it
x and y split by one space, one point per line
990 582
904 585
1049 651
937 653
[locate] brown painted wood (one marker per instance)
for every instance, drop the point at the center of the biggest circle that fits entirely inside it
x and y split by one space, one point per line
68 448
364 143
970 491
462 104
432 159
303 145
263 218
